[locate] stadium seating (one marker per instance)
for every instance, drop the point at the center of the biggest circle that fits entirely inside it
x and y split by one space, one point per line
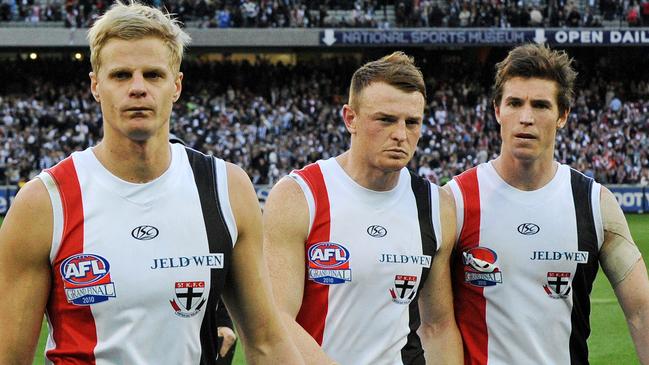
270 118
346 13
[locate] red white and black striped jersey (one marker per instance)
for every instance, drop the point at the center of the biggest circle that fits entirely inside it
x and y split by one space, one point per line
367 255
524 266
137 269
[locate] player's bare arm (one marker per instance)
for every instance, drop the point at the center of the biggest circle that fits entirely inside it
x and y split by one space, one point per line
286 223
438 331
25 241
626 270
247 294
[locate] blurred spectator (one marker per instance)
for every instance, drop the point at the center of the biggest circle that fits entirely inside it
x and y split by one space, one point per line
536 18
436 16
608 9
465 16
250 10
644 12
224 19
633 16
589 20
573 17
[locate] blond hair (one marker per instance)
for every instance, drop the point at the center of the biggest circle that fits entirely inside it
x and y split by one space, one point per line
396 69
134 21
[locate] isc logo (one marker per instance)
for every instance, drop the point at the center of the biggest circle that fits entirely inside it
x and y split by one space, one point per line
328 255
144 233
84 269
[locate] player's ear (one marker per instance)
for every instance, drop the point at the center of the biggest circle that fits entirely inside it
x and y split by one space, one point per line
497 112
349 116
178 83
563 119
93 85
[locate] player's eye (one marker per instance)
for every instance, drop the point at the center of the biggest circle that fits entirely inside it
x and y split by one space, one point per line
152 75
121 75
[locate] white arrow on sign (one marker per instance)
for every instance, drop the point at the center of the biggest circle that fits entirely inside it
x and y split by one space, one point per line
329 37
539 36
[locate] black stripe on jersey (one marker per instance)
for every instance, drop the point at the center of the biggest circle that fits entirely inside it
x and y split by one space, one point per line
412 353
219 241
582 283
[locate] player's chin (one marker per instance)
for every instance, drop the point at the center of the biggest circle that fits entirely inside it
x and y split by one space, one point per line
141 130
394 164
140 134
525 154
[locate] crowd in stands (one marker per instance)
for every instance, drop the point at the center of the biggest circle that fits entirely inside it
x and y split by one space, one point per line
270 119
497 14
356 13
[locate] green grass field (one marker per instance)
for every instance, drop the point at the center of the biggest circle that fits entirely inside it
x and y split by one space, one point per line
609 342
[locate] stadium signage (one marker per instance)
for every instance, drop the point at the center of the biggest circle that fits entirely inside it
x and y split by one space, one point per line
7 195
632 199
486 36
590 37
422 37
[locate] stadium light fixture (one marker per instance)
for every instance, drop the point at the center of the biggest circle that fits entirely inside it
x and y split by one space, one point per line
33 56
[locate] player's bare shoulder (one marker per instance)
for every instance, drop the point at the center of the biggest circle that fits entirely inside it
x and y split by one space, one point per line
619 253
287 187
31 208
611 212
237 177
243 199
286 194
446 201
287 209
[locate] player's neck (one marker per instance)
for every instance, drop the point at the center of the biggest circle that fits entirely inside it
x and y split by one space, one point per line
135 162
525 175
367 176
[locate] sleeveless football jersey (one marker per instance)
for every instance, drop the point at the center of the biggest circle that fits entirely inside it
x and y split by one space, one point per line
137 269
367 255
524 266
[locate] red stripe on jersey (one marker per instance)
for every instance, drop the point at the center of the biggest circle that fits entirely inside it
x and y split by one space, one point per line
73 326
470 304
313 312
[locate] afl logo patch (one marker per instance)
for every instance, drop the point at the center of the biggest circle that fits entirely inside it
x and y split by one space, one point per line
328 263
86 279
377 231
328 255
84 269
144 233
528 229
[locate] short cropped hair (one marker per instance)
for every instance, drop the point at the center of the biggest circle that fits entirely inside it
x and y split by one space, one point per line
396 69
539 61
135 21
